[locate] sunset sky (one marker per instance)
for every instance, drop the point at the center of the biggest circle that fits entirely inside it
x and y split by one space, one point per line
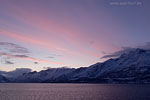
74 33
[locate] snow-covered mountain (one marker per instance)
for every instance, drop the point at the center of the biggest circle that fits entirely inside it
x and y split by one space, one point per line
49 75
131 67
12 75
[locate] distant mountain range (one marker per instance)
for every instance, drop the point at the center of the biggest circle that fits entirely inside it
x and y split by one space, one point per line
131 67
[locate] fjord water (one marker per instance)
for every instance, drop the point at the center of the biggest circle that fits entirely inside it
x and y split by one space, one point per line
16 91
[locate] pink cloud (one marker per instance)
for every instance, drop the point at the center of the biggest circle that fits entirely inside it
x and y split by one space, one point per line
76 38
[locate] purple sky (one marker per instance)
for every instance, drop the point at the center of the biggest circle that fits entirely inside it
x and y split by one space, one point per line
74 33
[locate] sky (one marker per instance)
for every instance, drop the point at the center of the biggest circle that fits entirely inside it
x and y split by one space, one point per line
38 34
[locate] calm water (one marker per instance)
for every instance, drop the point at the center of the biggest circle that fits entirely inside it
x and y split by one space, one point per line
74 92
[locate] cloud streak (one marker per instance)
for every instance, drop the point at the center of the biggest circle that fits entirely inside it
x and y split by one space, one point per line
14 48
29 58
19 52
118 53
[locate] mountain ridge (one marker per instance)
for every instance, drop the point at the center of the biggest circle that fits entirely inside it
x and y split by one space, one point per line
131 67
